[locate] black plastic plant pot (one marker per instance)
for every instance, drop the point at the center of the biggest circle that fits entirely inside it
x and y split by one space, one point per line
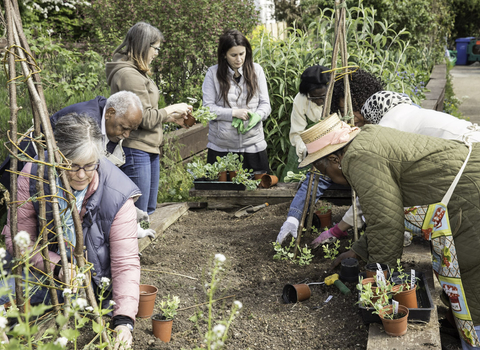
372 268
349 270
295 292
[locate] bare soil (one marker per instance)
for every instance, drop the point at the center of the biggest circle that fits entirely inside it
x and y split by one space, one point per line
252 277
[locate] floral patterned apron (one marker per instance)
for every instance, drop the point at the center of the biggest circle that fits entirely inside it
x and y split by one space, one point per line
434 223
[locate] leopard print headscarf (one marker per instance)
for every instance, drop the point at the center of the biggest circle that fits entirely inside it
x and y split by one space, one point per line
380 103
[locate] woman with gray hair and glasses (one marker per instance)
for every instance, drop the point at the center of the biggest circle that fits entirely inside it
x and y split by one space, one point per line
105 201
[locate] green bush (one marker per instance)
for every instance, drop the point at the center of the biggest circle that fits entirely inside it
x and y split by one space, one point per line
191 30
384 53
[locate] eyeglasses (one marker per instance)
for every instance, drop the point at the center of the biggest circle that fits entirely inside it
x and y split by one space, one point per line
157 49
314 98
87 168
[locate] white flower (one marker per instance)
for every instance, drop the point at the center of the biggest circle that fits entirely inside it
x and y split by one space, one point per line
80 276
22 239
81 303
238 304
112 303
62 341
105 281
67 291
220 258
218 330
3 253
89 308
3 322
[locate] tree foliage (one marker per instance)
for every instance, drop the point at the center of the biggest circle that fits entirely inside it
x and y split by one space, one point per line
191 30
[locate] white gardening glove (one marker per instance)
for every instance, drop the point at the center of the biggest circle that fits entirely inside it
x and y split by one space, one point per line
142 233
289 227
141 215
301 151
124 338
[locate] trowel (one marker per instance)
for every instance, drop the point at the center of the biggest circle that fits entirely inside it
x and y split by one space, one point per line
249 210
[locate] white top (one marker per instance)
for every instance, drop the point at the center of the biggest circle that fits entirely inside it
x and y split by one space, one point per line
302 109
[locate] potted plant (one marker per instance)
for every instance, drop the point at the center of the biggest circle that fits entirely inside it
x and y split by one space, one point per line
244 177
233 162
222 168
324 213
405 287
162 322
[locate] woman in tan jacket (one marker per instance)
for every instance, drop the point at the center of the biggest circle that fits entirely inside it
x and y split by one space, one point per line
130 70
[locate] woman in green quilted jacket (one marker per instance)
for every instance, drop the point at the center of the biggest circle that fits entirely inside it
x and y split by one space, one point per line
390 170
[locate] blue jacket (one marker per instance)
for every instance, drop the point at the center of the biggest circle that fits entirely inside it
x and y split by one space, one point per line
114 189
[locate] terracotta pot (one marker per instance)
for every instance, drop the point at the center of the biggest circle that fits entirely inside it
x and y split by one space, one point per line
190 121
258 176
232 174
222 176
161 328
325 219
293 293
268 181
148 294
407 297
371 269
395 327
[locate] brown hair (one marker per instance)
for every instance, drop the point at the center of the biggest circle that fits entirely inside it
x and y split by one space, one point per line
137 43
228 40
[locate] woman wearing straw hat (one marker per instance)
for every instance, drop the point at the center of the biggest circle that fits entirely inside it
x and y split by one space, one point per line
390 170
362 86
395 110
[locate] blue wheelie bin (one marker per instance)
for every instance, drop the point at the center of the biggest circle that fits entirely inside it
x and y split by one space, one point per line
462 49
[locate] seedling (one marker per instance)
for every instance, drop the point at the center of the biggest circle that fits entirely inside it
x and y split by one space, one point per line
331 253
304 256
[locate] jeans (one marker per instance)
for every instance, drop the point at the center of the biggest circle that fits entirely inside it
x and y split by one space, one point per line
298 202
144 170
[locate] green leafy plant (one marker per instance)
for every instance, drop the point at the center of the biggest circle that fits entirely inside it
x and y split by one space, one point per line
145 224
168 306
324 208
331 251
349 244
293 177
304 255
244 177
203 115
376 295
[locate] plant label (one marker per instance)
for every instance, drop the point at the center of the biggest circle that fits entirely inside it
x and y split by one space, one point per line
395 306
381 278
412 278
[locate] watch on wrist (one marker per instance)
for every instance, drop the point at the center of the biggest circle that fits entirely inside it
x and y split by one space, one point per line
128 325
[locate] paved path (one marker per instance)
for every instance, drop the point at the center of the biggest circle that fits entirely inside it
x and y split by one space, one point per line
466 86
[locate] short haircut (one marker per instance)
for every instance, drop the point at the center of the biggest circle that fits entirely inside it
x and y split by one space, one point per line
137 43
79 138
120 101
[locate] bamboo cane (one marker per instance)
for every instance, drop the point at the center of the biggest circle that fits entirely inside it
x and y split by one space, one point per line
304 213
313 198
13 164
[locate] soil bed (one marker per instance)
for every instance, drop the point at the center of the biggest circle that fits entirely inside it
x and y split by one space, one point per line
253 277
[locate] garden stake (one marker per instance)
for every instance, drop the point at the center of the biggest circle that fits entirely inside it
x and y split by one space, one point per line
15 32
312 201
304 213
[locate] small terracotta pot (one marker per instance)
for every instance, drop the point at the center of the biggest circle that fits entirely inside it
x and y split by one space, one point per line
325 219
190 121
222 176
146 303
268 181
293 293
407 297
232 174
396 327
161 328
371 270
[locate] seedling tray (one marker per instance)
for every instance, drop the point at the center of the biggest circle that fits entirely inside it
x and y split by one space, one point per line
218 186
420 314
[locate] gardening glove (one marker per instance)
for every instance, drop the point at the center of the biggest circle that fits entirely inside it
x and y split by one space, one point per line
141 215
124 338
254 119
142 233
329 236
238 124
289 227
